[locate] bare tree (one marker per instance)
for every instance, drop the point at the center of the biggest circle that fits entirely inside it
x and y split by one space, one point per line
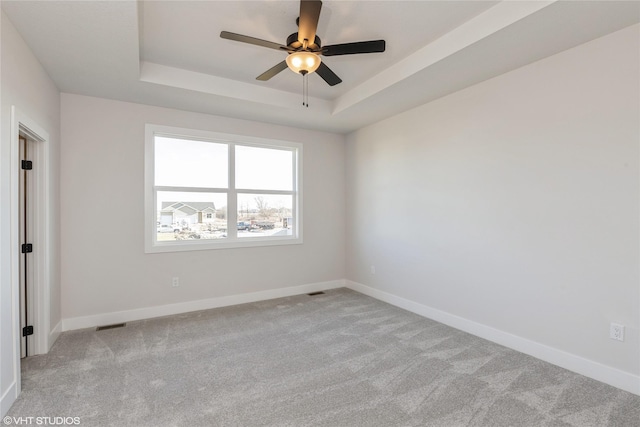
245 208
280 212
262 205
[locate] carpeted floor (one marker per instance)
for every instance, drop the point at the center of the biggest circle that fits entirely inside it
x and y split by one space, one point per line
338 359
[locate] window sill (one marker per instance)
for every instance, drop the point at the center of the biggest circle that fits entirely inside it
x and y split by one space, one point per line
205 245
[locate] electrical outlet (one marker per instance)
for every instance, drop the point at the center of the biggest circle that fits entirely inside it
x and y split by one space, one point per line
175 282
373 269
616 332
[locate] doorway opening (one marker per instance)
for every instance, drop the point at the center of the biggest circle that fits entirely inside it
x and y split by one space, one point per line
25 229
30 237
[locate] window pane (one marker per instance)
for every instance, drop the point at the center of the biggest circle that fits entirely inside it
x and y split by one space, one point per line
264 215
191 216
187 163
264 169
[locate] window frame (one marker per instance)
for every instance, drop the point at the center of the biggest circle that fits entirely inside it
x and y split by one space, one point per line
152 245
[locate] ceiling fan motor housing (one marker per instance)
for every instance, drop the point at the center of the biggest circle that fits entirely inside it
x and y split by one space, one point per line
292 42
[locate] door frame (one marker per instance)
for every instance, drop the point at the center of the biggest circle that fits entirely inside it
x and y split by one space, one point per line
40 237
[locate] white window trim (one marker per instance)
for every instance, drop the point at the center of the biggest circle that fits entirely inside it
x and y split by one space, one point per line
232 241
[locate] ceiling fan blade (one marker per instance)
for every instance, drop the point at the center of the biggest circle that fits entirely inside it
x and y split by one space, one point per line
272 71
251 40
327 75
354 48
308 23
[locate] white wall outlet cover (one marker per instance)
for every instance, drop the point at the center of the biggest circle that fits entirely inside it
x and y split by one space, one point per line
616 331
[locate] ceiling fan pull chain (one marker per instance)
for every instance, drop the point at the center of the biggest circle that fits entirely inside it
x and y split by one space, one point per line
305 90
306 86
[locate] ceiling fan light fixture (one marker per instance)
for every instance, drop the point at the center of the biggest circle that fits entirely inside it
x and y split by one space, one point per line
303 62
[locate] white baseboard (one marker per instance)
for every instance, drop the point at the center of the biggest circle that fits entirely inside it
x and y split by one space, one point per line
7 399
606 374
54 334
185 307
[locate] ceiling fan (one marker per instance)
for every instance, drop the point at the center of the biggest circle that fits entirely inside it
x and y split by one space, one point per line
305 48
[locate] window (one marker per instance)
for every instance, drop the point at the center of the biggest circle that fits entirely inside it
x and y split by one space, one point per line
206 190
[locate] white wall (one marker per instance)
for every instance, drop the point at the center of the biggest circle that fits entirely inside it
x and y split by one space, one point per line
104 267
513 204
27 86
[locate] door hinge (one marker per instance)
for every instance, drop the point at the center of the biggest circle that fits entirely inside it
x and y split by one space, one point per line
27 330
27 248
27 165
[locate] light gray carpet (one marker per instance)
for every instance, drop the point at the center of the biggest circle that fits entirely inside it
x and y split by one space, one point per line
339 359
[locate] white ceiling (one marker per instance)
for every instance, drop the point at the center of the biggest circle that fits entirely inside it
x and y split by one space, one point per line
169 53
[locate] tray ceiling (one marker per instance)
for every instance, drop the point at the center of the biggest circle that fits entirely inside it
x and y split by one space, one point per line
169 53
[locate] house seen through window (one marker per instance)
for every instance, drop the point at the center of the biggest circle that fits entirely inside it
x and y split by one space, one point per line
206 190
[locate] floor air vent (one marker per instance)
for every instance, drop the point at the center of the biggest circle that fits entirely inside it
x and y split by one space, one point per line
105 327
312 294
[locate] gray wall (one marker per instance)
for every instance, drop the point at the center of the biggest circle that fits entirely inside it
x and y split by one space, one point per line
104 267
513 204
